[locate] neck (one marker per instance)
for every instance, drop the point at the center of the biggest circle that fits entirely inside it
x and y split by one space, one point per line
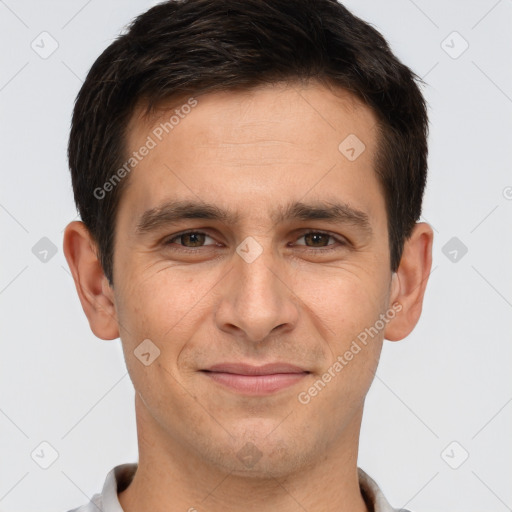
172 476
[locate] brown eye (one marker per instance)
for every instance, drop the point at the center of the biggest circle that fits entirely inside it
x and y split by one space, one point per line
317 239
190 239
193 239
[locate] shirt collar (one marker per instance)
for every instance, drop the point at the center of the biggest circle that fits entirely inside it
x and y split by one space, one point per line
372 493
117 480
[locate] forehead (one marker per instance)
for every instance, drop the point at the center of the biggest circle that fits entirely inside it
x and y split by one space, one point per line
264 146
260 111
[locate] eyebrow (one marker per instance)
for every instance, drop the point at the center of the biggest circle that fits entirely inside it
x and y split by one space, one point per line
175 211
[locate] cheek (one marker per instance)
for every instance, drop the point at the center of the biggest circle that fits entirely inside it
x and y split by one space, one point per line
342 301
156 298
163 305
160 307
346 308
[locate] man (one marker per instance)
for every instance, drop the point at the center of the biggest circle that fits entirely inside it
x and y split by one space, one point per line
249 176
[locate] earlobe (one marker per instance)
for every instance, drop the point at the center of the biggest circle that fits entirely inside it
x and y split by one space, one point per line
409 282
94 291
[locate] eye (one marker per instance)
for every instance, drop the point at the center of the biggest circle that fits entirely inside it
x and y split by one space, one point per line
314 241
320 239
189 239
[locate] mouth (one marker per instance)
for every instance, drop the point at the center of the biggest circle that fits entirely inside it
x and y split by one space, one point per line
255 380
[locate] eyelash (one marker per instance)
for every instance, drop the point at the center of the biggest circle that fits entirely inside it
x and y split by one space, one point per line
339 242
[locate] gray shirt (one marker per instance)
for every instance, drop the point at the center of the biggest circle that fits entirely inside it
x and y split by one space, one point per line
120 477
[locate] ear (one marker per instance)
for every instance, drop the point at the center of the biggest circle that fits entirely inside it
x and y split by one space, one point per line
94 290
410 281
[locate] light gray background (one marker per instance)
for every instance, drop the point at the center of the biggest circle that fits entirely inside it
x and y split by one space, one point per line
449 381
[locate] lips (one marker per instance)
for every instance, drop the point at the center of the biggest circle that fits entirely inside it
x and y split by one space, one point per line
247 369
255 380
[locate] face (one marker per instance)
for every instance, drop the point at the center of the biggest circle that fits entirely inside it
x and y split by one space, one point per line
283 258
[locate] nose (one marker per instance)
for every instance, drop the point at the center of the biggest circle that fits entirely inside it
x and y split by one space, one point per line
257 299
